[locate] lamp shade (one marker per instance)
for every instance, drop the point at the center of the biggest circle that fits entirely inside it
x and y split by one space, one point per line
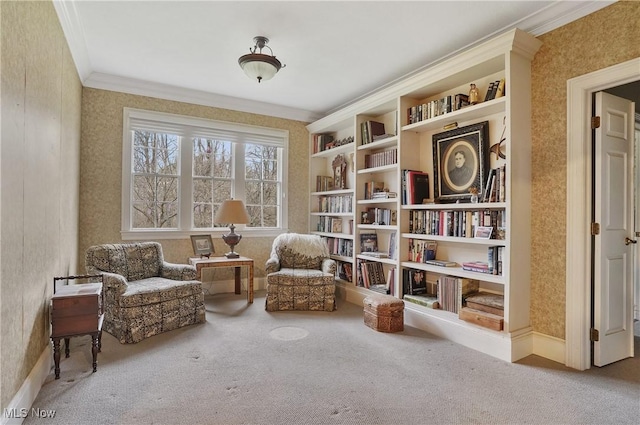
232 211
259 66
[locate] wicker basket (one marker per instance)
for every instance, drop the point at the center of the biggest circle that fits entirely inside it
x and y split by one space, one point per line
384 313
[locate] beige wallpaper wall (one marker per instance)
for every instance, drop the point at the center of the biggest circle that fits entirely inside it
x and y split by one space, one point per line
40 96
602 39
101 172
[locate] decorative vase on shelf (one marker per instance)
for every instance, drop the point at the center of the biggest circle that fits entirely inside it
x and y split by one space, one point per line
474 195
473 94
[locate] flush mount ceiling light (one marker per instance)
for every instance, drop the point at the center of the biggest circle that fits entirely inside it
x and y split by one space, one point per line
259 65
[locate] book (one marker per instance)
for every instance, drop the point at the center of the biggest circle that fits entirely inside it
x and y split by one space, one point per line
501 88
476 266
376 254
487 96
368 242
441 263
392 245
423 300
414 282
370 129
486 301
417 187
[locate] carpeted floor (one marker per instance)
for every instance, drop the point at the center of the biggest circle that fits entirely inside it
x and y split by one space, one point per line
247 366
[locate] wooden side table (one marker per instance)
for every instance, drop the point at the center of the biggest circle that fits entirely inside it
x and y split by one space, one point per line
76 310
236 263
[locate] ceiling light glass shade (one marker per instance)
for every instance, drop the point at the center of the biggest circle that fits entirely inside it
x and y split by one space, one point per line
259 66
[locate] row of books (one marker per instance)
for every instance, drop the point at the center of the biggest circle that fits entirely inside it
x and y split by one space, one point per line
382 216
371 188
493 265
496 89
437 107
452 291
323 142
457 223
369 245
339 246
333 225
382 158
335 204
495 187
415 187
344 271
371 130
324 183
371 274
421 251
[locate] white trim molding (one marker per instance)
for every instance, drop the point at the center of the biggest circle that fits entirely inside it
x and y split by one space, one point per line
579 174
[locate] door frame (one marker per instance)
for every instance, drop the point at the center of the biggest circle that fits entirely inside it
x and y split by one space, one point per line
579 199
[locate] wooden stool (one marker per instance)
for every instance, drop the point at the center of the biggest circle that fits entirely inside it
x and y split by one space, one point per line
384 313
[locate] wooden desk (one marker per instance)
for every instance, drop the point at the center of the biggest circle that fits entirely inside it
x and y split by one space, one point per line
201 263
76 310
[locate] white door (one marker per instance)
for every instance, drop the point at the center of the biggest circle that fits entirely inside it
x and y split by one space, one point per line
613 248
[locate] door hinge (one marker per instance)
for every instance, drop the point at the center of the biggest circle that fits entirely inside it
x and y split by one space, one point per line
595 122
594 335
595 229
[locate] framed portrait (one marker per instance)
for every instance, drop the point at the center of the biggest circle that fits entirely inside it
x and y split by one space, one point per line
202 245
460 161
339 165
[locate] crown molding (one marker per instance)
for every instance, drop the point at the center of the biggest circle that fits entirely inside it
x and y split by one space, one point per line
555 15
168 92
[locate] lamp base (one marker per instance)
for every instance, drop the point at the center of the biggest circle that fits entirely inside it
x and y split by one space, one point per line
232 255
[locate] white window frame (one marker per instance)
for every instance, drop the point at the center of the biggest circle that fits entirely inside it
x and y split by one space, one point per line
185 197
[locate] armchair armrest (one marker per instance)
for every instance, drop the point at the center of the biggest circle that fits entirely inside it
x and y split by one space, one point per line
177 271
329 266
273 265
115 283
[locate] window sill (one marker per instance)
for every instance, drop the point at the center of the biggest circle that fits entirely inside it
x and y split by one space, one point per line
148 235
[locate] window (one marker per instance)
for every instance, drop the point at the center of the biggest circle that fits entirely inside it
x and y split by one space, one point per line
178 170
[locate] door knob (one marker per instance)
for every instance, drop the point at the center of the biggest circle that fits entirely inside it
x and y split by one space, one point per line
627 241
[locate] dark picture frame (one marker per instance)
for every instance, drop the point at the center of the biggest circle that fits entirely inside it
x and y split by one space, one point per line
339 166
460 162
202 245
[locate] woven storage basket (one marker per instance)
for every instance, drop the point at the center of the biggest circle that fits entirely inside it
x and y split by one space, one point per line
384 313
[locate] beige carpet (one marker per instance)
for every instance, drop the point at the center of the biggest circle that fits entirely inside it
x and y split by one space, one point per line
247 366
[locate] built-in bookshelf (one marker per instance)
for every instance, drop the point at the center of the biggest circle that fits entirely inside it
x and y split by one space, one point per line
403 187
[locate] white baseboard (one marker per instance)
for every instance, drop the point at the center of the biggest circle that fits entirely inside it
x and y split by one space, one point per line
549 347
20 405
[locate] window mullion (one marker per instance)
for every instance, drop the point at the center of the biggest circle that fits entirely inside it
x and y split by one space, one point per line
186 182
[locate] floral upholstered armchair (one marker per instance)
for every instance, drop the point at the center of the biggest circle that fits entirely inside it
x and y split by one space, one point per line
143 294
300 274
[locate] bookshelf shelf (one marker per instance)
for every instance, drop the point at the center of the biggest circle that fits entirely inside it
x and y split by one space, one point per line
456 240
440 88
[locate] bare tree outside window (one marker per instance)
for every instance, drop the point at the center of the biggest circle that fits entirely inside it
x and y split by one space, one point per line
212 179
262 187
155 180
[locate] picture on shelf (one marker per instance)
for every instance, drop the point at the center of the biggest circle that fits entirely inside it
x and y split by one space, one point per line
368 242
392 245
336 225
483 232
202 245
339 165
460 161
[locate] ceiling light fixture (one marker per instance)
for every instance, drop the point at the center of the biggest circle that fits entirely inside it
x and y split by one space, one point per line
259 65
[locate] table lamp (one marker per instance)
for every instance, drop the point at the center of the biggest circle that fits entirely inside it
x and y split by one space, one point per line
232 211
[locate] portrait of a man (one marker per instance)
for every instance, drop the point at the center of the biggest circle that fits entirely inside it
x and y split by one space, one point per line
460 161
461 173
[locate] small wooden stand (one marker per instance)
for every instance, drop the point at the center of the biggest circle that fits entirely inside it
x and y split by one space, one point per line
76 310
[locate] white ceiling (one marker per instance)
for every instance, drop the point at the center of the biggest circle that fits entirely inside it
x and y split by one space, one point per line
334 51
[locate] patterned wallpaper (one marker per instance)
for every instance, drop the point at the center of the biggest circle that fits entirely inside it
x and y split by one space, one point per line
602 39
101 172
